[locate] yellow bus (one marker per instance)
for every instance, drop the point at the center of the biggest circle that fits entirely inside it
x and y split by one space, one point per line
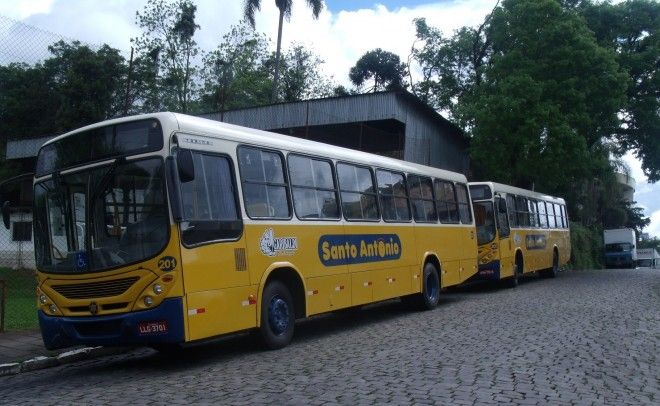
518 232
164 229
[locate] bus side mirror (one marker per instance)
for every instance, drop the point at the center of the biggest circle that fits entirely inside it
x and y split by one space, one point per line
185 165
5 214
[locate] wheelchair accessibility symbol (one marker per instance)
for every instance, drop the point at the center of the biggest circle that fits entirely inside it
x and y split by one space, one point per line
80 259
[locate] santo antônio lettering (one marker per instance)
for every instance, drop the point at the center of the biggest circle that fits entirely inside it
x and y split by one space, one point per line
358 248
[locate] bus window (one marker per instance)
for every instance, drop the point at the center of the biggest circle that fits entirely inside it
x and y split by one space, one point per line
485 221
521 209
264 187
511 205
551 216
393 196
313 186
543 216
358 193
502 220
533 215
446 201
210 210
421 199
463 203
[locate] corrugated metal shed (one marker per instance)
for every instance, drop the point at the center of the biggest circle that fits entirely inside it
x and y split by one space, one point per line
428 138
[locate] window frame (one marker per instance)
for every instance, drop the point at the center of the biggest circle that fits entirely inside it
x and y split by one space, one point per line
468 203
410 199
286 184
407 196
374 184
237 200
335 181
453 188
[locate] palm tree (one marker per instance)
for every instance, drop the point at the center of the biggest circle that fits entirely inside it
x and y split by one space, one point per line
285 11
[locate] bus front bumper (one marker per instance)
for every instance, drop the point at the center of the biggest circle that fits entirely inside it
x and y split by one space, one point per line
489 271
160 325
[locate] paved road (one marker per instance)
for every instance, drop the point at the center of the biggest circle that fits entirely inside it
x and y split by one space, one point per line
589 337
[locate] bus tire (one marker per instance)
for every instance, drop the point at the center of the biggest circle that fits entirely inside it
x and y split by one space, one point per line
277 316
514 280
553 271
429 297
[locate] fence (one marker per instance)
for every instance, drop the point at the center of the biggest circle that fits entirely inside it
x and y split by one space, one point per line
17 276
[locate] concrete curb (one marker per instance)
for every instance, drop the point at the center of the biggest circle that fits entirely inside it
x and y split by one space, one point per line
64 358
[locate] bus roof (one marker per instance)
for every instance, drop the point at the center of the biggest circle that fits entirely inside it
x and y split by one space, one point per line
216 129
500 187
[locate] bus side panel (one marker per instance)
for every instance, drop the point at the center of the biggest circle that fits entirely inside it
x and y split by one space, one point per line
220 311
468 262
327 293
507 258
216 283
389 273
362 290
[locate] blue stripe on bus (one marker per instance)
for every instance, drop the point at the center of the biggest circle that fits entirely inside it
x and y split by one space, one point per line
116 329
339 249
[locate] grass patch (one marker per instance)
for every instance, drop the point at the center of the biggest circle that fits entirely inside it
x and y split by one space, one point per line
20 303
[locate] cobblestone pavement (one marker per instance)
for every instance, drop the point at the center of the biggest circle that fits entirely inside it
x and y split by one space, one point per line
588 337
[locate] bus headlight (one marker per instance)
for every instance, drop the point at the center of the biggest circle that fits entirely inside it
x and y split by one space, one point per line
43 299
52 308
158 289
148 301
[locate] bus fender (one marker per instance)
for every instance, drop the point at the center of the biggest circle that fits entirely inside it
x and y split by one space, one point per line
264 278
432 256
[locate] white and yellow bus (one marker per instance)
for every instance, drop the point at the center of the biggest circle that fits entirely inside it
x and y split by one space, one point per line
164 229
518 232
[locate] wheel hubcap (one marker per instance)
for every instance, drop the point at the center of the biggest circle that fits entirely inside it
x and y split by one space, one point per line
278 315
432 288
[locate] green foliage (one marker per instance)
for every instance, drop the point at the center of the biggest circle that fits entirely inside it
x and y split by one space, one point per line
76 86
235 74
383 67
168 39
650 243
586 246
630 30
301 76
284 6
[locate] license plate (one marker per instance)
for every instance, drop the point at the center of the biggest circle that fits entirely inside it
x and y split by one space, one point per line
152 327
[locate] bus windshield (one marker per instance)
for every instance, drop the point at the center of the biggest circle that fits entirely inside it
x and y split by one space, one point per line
101 218
485 221
618 247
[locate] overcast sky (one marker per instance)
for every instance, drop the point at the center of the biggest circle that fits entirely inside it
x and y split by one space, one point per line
345 30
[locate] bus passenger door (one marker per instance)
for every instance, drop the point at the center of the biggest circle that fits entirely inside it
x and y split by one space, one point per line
215 276
504 233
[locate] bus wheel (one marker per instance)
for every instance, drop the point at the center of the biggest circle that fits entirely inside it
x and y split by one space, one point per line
277 316
514 281
430 296
553 271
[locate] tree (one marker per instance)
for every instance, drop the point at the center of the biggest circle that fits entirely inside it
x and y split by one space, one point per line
550 95
284 6
383 67
168 39
451 67
235 74
301 76
630 29
88 84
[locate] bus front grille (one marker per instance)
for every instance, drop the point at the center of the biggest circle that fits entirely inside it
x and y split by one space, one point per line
96 289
